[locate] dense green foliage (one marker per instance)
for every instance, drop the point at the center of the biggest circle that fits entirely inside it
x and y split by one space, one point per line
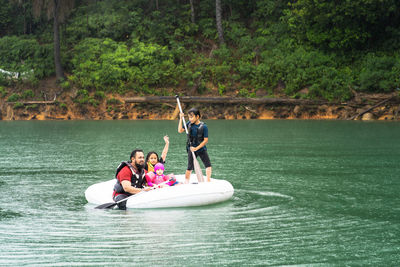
24 55
344 25
279 47
108 65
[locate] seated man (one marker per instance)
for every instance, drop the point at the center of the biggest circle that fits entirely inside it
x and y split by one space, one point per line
130 177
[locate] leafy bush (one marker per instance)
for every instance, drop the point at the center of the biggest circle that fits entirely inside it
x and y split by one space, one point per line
99 95
65 85
3 91
379 73
235 31
32 107
207 28
299 69
221 89
219 73
63 106
27 94
26 57
82 97
13 98
18 105
113 101
345 26
130 20
4 80
244 93
333 85
82 93
93 102
110 66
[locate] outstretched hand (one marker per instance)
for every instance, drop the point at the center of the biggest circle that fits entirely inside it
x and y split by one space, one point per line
166 139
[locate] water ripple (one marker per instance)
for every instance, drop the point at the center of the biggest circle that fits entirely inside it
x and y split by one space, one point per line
8 214
273 194
321 209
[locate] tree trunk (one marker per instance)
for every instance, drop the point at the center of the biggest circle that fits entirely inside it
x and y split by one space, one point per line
218 16
192 11
57 54
24 8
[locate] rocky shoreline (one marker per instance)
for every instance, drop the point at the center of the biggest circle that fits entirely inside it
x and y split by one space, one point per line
362 107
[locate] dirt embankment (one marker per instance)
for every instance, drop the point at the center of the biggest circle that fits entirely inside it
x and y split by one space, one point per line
60 105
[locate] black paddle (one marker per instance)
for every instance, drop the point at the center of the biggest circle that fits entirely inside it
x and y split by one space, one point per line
111 205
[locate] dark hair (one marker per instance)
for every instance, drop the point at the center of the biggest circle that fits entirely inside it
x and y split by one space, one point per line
149 154
195 111
133 154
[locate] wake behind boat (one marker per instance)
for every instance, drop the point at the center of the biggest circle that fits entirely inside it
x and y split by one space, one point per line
185 195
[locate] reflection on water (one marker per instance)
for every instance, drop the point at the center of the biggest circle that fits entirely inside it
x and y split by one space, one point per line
306 193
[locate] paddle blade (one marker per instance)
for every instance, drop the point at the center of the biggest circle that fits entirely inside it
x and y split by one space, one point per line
197 169
106 206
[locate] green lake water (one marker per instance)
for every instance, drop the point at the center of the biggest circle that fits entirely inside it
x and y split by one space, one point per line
311 193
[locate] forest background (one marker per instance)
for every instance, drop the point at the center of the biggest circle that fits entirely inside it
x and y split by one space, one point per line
312 49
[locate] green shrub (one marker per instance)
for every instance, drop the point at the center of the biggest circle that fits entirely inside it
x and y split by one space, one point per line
207 28
111 66
333 85
296 70
218 73
27 57
32 107
82 101
221 89
244 93
18 105
63 106
27 94
341 27
13 98
82 93
82 97
3 91
379 73
113 101
93 102
99 95
65 85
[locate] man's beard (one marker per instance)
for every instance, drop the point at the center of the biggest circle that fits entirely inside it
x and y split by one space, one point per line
139 166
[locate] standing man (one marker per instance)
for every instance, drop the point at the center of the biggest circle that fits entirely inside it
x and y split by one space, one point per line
130 178
197 140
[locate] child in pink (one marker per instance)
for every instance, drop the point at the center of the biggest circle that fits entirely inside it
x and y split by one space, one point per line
157 177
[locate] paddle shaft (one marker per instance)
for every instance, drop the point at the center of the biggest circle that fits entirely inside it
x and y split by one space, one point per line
196 164
113 204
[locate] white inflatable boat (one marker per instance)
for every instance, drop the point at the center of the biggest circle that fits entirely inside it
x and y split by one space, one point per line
184 195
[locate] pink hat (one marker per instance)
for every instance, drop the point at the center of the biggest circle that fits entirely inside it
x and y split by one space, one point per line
158 166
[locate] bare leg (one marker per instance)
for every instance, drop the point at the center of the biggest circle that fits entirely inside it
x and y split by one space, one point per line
208 173
187 176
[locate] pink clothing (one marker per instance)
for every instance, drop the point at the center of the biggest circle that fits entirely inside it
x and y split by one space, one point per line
154 179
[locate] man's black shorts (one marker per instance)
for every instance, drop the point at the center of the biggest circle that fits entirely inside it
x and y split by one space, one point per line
204 158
